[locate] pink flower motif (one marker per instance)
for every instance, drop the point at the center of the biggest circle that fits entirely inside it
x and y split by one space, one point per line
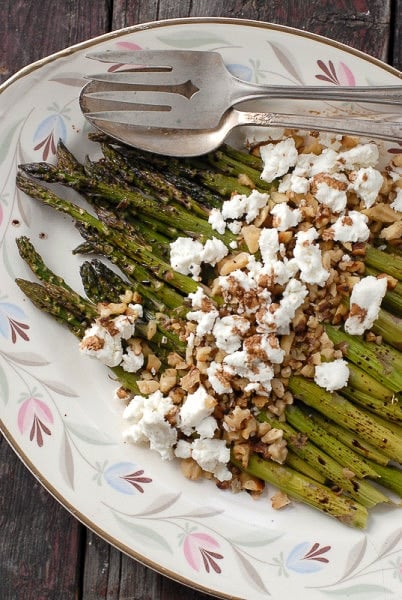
341 75
124 46
200 548
32 416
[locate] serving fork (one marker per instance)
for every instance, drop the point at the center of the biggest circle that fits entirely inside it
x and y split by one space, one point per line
190 95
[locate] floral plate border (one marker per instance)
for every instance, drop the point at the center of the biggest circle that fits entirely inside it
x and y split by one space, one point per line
56 410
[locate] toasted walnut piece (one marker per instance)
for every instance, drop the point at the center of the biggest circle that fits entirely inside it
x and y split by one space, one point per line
250 429
278 197
287 342
382 213
250 483
244 179
167 380
177 395
153 363
236 420
191 379
241 453
190 469
262 217
285 237
231 263
251 235
272 435
148 386
175 360
111 308
136 346
391 281
279 500
278 451
259 401
124 394
277 387
92 342
349 141
307 371
152 327
392 232
203 353
397 160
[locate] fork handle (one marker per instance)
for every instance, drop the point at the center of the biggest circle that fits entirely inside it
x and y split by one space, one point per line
244 90
382 129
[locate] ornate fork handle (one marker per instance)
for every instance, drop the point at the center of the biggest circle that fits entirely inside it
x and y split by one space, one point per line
376 128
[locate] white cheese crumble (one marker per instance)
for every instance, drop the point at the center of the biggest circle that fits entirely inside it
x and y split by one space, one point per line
294 183
195 409
213 456
308 257
365 302
332 375
278 158
187 255
331 196
147 423
99 343
351 228
362 155
285 217
367 182
228 332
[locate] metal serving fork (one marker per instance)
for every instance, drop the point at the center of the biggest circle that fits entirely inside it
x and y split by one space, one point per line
172 92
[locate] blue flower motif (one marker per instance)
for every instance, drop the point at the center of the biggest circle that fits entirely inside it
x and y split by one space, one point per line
125 477
305 558
49 132
240 71
11 322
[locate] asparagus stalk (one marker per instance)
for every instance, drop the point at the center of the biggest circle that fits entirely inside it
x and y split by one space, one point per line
390 409
339 409
383 262
350 439
302 422
383 362
187 222
389 327
136 251
301 466
306 490
360 380
390 477
358 489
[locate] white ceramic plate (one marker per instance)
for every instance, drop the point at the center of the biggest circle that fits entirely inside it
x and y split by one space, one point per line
56 406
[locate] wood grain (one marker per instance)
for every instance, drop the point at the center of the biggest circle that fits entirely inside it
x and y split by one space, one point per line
44 552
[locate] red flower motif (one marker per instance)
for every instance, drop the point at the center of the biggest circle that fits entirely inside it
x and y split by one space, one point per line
135 479
17 329
34 415
315 553
340 76
200 548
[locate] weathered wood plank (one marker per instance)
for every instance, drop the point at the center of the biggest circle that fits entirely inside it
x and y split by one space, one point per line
40 544
396 51
32 30
363 24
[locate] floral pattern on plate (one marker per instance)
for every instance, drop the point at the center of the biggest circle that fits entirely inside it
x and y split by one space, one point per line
57 407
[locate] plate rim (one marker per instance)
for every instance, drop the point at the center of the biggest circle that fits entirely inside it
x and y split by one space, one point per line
69 51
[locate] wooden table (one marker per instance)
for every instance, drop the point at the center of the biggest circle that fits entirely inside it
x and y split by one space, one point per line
45 553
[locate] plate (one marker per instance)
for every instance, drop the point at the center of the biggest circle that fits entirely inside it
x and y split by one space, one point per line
57 407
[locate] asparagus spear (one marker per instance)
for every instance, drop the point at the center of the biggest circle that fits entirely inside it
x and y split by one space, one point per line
133 249
343 412
302 422
350 439
381 260
383 362
358 489
308 491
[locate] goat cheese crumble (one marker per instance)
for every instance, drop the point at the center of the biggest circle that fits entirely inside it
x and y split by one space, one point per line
365 302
